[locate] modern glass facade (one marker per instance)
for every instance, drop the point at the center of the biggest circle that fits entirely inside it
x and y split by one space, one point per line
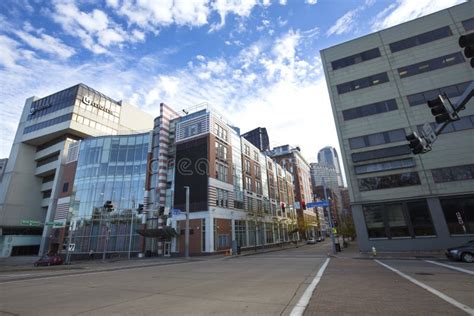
110 168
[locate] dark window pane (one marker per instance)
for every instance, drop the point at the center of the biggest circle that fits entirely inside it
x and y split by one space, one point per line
356 142
374 221
390 181
362 83
421 219
396 220
420 39
432 64
459 214
355 59
456 173
468 24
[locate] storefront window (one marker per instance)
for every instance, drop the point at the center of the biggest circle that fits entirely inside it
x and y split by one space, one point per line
421 219
374 221
396 221
459 215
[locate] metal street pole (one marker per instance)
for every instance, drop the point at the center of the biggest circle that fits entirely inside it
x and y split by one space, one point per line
330 219
186 230
130 239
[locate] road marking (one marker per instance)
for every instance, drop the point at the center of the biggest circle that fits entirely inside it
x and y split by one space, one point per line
304 300
441 295
451 267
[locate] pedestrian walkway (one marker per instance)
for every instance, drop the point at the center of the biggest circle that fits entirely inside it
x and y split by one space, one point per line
363 287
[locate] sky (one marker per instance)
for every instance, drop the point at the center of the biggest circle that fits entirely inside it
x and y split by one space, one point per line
256 61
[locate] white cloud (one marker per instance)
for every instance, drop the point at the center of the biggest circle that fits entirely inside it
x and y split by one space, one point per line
240 8
311 1
46 43
9 53
405 10
344 24
283 2
200 57
94 29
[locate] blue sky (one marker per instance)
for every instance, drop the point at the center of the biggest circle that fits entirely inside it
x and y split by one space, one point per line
257 61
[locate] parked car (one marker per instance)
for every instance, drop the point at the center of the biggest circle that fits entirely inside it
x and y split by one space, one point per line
49 260
320 239
464 253
311 241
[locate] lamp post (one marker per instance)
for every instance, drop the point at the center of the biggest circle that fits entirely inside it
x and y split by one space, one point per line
186 230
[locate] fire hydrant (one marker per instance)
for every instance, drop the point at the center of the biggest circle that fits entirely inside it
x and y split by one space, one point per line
374 251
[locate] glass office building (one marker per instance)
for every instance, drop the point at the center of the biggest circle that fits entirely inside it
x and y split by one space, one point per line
109 168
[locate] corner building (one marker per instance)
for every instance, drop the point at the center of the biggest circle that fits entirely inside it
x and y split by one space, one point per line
379 85
32 184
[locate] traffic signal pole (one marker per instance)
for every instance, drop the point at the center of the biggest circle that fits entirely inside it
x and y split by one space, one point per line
186 230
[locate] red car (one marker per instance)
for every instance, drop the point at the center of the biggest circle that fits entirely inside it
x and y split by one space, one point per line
48 260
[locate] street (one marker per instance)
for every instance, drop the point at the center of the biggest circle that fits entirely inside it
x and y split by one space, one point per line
270 283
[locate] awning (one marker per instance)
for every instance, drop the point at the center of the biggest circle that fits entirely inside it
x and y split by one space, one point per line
163 233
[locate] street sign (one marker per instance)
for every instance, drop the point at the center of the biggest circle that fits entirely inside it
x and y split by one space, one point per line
30 222
175 211
460 221
59 223
322 203
72 247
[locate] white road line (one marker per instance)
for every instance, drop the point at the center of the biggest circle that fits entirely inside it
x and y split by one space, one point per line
304 300
451 267
441 295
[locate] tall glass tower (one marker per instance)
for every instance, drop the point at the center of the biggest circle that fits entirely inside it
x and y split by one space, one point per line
328 156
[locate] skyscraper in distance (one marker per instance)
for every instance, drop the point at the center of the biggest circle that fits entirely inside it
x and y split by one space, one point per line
328 156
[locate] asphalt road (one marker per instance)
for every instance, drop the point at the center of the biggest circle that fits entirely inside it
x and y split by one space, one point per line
270 283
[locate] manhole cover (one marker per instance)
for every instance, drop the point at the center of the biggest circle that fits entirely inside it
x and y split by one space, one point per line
424 273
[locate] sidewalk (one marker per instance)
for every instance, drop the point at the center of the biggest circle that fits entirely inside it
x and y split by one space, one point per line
362 287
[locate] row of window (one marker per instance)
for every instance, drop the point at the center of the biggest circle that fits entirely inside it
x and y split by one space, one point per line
451 91
221 172
413 218
456 173
397 46
370 109
356 58
220 132
105 109
51 122
221 151
389 181
362 83
384 166
430 65
222 198
377 139
420 39
52 103
96 125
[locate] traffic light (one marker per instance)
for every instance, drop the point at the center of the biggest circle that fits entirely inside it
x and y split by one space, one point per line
467 42
417 144
440 109
140 208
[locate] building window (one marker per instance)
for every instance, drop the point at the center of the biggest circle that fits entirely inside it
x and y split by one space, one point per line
392 136
430 65
420 39
355 59
420 218
51 122
370 109
259 206
451 91
65 186
456 173
408 219
222 198
362 83
247 166
249 204
374 220
221 172
257 171
383 166
459 214
221 132
381 153
221 151
468 24
390 181
46 194
246 150
255 156
248 183
240 233
258 185
223 241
